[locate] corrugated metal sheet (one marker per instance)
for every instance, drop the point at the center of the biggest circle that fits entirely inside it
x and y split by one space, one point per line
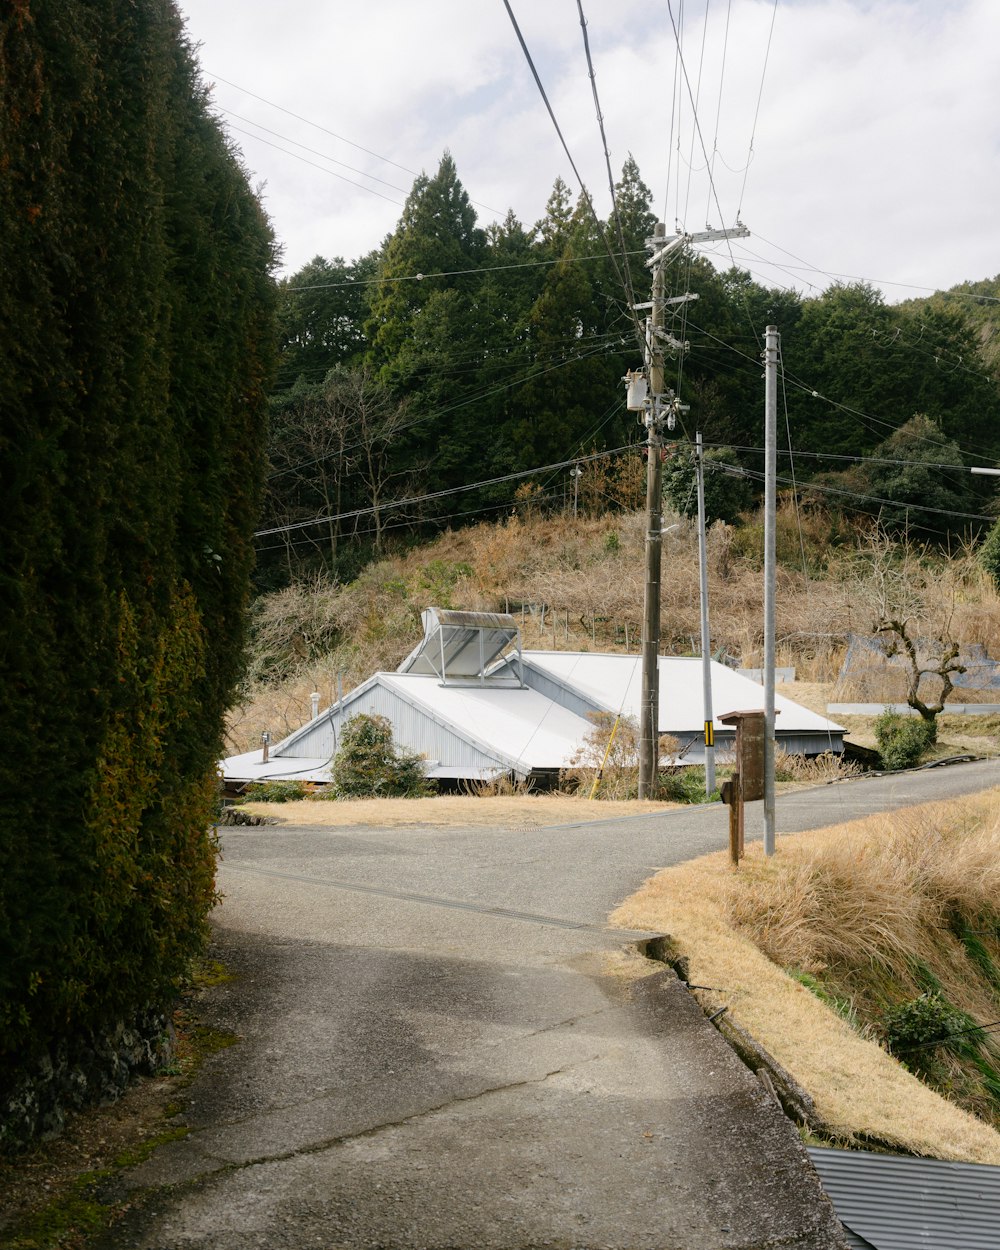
521 727
894 1202
550 685
468 731
476 730
416 728
250 767
615 681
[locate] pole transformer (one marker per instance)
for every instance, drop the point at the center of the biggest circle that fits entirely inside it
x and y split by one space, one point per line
648 395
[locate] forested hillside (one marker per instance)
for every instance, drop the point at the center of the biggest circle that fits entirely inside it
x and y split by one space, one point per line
452 356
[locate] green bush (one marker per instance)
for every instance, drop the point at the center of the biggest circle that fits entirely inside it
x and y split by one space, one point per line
685 785
370 765
277 791
918 1027
989 554
901 739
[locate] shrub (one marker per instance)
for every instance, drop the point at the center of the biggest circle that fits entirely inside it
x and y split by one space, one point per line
901 739
370 765
278 791
989 555
610 753
916 1029
685 784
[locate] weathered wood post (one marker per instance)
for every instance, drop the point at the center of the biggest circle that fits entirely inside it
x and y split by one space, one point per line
747 782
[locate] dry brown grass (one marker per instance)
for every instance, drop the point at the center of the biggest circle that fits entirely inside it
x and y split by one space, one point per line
577 584
535 811
870 895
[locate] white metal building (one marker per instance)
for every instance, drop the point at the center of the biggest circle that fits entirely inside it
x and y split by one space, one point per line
474 705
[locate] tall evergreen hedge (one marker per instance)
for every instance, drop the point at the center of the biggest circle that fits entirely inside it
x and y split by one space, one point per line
135 351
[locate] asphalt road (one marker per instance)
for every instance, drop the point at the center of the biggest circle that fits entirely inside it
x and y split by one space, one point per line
443 1046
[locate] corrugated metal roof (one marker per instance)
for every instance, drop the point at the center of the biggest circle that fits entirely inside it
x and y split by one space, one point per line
521 726
468 728
460 645
613 681
895 1202
250 766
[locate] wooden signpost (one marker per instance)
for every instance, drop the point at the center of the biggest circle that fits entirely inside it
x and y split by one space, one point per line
747 782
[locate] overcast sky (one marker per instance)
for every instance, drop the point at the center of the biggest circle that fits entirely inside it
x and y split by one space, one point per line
875 154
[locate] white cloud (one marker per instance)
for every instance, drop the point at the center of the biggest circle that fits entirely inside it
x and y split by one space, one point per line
877 148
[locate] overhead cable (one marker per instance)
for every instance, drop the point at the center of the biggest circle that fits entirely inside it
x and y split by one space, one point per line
583 186
439 494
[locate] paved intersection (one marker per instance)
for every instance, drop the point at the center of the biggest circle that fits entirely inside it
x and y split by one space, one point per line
442 1046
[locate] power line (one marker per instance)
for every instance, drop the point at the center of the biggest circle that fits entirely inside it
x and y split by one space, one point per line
740 471
867 417
854 277
756 113
298 117
452 490
722 79
829 455
629 292
315 152
472 399
569 157
438 519
459 273
317 126
711 180
332 172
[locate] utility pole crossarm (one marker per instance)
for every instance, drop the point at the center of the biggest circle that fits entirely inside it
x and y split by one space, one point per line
701 236
674 299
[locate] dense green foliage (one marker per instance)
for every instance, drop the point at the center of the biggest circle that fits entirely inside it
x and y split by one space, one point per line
502 350
726 496
369 765
989 554
901 740
277 791
135 323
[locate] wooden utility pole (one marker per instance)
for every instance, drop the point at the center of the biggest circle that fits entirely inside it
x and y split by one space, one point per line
659 408
770 526
653 416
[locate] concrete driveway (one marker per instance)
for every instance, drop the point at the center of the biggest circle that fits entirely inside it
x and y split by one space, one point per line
442 1046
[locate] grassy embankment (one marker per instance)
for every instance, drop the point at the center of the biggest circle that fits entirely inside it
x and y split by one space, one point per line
874 936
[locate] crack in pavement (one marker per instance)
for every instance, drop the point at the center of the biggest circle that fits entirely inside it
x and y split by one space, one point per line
228 1167
324 1095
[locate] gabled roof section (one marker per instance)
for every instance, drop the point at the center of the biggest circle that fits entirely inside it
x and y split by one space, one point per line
458 647
614 682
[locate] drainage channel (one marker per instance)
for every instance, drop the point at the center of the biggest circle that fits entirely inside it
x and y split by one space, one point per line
434 900
795 1101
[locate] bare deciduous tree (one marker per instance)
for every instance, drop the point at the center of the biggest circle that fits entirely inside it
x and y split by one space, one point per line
912 603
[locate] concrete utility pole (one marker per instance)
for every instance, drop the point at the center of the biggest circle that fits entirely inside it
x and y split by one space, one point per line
771 342
706 647
576 473
659 408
